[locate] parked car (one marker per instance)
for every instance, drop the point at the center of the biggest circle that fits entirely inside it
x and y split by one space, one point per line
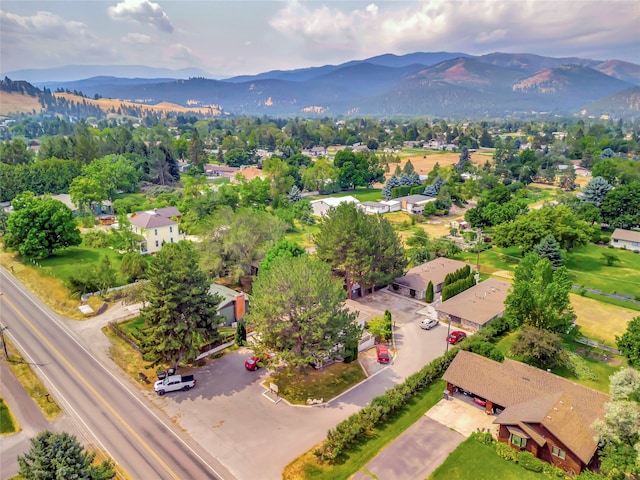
428 323
173 383
254 363
383 354
456 337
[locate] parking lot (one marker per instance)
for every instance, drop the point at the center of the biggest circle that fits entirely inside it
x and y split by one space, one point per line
256 438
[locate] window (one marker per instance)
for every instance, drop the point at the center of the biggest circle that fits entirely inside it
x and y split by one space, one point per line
155 232
171 239
170 229
635 244
558 452
518 441
615 240
157 245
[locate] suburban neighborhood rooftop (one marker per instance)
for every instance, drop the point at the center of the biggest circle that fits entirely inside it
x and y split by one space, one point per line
480 303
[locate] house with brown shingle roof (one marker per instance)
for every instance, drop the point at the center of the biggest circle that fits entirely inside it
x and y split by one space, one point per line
414 282
537 411
477 306
627 239
157 227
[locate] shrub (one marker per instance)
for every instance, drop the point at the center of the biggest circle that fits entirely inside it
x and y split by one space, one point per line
95 239
528 461
485 349
505 451
579 367
483 437
428 296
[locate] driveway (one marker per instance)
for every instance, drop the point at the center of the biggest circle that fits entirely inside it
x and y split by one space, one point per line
415 454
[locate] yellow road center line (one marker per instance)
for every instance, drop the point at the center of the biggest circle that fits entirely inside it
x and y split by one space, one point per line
93 390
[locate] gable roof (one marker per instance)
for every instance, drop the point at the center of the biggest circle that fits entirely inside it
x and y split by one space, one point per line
227 294
418 277
625 235
167 212
478 304
532 396
416 198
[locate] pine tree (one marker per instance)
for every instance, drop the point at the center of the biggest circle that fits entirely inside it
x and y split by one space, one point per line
181 314
549 248
433 189
464 158
295 195
392 183
241 333
60 455
595 191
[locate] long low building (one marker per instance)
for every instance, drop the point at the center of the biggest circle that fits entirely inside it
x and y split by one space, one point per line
477 306
414 282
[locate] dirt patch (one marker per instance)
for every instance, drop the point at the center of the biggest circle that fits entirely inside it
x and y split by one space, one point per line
503 274
599 357
424 163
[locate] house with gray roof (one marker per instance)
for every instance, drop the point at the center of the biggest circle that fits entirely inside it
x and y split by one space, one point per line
414 203
477 306
157 227
233 305
414 283
536 411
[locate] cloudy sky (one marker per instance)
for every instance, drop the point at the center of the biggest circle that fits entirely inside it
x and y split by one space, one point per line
226 37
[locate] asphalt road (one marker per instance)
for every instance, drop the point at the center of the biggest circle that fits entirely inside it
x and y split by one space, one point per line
108 412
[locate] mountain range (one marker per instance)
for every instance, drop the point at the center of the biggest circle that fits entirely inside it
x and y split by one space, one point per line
442 84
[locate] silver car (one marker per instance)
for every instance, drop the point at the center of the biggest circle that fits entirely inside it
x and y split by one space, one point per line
428 323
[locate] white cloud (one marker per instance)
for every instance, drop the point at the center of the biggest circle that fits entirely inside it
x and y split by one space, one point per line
136 38
557 27
142 11
43 25
180 53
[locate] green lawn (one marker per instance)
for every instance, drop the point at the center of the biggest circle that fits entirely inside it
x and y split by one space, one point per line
307 467
303 235
71 260
362 194
7 425
475 460
587 269
601 369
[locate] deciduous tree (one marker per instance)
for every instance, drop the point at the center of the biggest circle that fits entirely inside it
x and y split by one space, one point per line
629 343
539 347
40 226
298 311
539 295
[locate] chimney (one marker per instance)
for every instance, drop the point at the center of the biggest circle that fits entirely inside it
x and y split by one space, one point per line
239 306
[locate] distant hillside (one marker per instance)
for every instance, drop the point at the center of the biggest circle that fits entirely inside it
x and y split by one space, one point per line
621 104
447 85
70 73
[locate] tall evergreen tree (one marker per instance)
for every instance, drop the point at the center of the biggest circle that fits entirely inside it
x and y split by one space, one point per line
54 456
392 183
464 158
428 296
595 191
180 315
197 156
550 248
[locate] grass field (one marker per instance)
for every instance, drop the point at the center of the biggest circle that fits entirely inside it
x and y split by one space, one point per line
362 194
326 383
601 321
8 425
475 460
65 263
307 466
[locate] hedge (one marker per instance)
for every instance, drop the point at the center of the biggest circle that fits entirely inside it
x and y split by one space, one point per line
349 431
456 287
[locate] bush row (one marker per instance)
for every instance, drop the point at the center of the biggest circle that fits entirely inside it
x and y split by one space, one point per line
349 431
459 274
523 458
457 287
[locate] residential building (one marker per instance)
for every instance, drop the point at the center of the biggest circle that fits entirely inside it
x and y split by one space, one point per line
414 203
249 172
374 207
627 239
220 171
233 306
414 282
477 306
536 411
157 227
322 206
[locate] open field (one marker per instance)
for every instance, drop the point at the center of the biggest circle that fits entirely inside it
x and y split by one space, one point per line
424 160
67 262
107 104
601 321
14 102
474 460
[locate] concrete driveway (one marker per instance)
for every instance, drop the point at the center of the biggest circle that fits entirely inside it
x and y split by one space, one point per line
415 454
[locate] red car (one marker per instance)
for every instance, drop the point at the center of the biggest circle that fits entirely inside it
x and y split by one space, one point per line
383 354
253 363
456 337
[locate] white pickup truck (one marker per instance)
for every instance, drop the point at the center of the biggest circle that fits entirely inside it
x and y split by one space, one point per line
173 383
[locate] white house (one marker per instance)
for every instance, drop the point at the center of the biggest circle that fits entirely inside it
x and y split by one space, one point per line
627 239
157 227
414 203
322 206
373 208
394 205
